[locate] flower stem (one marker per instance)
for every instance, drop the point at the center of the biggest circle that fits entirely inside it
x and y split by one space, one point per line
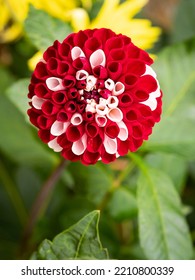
40 204
116 184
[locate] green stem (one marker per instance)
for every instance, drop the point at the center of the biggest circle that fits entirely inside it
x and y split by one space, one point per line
13 193
123 174
40 204
139 162
116 184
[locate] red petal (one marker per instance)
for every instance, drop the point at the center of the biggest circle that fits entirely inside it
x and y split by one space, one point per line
112 130
74 133
90 158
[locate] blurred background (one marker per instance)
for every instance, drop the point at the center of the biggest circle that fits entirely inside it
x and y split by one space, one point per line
164 28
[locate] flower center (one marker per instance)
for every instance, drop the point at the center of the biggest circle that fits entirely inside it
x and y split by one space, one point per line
89 95
93 92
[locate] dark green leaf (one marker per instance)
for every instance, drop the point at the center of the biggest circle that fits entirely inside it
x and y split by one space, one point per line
122 205
163 230
95 180
173 135
174 166
81 241
28 183
184 25
44 29
98 183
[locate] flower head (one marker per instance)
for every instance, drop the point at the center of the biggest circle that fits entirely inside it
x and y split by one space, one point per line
94 96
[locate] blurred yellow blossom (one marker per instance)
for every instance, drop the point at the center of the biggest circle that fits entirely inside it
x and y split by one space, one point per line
113 14
13 14
119 18
58 8
11 19
33 60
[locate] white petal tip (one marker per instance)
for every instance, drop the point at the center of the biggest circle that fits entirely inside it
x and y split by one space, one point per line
97 58
54 84
53 144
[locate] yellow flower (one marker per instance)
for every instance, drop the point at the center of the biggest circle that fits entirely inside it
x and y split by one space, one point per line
14 12
33 60
114 15
12 16
58 8
120 18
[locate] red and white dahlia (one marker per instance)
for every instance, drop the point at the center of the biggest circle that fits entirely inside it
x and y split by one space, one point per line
94 96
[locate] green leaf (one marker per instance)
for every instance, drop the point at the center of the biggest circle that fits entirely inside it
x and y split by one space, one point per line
173 136
98 183
162 227
17 140
26 176
184 25
94 179
6 79
17 93
81 241
174 166
43 29
122 205
176 73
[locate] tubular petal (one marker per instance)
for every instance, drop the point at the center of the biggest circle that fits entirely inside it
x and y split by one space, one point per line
37 102
80 146
77 52
123 132
81 75
110 145
76 119
119 88
100 120
101 109
53 144
54 84
109 84
112 101
97 58
115 115
151 101
59 128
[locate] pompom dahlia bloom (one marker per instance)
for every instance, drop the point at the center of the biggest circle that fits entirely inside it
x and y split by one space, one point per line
94 96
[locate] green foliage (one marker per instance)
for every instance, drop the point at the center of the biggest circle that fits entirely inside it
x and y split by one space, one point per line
17 140
43 29
122 205
6 79
184 21
81 241
174 166
17 94
144 215
163 230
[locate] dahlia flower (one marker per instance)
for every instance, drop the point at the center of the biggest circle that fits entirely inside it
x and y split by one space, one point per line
94 96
